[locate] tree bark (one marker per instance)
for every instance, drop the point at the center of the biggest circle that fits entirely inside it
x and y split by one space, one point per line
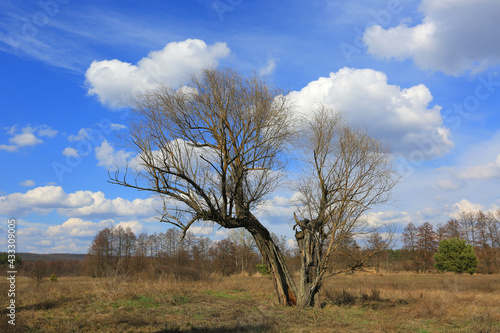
274 258
310 253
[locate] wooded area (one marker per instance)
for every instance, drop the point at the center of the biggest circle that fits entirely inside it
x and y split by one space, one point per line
118 251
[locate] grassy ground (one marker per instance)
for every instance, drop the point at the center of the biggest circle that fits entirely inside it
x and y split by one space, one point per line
390 303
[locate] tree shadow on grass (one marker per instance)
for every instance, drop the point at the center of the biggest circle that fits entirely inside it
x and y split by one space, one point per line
45 305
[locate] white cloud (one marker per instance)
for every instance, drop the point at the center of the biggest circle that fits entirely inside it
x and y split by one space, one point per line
134 225
72 152
28 182
269 68
9 148
115 82
480 161
204 230
292 243
402 116
482 171
116 127
44 200
25 139
83 133
110 158
454 36
45 130
378 219
221 233
466 206
76 227
278 206
27 136
100 207
72 236
449 184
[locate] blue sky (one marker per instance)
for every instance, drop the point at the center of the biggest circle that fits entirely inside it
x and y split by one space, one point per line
421 74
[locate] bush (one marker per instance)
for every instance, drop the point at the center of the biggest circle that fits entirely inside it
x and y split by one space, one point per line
53 277
455 255
262 269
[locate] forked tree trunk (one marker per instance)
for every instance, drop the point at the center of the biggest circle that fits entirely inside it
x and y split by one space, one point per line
283 282
310 253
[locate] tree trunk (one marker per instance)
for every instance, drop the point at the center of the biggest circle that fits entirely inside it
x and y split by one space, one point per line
310 253
274 258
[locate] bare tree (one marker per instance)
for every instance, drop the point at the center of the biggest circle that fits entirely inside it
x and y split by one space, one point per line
245 246
349 173
427 245
213 150
467 222
451 229
38 272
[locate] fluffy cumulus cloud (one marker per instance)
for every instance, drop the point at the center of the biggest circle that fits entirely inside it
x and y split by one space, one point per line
72 236
83 134
378 219
110 158
42 200
46 199
464 205
277 207
72 152
101 207
401 115
114 82
76 227
26 136
454 36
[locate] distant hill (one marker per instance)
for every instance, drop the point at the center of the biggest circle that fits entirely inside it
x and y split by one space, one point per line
26 256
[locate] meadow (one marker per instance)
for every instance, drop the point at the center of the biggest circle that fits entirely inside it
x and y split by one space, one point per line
400 302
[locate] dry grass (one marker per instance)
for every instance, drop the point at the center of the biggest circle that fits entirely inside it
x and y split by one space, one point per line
391 303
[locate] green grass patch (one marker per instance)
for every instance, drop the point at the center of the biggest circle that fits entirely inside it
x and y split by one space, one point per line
237 295
141 302
174 299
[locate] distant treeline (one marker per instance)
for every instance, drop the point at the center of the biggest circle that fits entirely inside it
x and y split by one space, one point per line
118 251
479 229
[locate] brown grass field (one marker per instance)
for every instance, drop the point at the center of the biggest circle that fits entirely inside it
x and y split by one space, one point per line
352 303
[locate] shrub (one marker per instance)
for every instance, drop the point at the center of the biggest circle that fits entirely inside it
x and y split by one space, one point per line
53 277
262 268
455 255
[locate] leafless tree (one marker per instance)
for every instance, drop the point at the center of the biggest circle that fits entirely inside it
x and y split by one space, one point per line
427 245
467 221
347 172
38 272
450 229
213 150
244 249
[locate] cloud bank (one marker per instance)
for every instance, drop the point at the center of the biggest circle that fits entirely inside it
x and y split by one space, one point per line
455 36
401 115
26 137
46 199
115 82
